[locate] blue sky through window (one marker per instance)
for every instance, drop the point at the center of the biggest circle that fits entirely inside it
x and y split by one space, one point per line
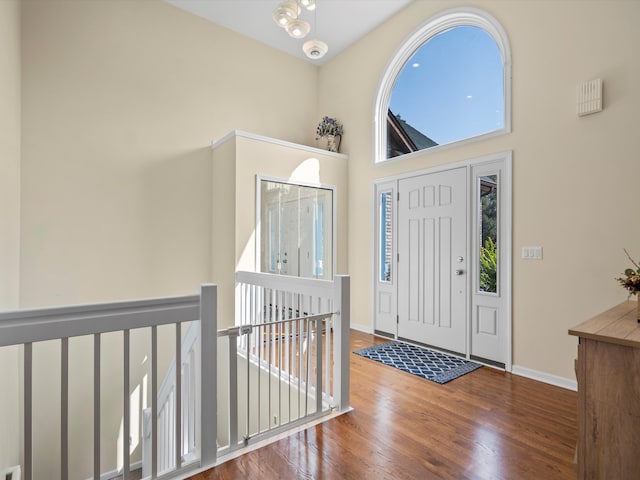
452 88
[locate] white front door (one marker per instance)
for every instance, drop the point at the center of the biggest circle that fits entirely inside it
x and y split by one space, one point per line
432 265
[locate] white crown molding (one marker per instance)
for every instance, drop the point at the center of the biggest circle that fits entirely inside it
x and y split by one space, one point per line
275 141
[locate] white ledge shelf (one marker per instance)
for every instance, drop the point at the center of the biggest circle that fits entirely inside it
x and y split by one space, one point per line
276 141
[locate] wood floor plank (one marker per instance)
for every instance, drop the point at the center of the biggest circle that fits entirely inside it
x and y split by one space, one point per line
487 424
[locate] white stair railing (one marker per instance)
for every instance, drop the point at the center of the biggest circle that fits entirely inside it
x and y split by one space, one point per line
28 327
265 297
288 356
292 335
170 405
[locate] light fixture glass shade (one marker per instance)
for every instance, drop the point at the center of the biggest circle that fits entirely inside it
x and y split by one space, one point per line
285 13
298 28
315 49
308 4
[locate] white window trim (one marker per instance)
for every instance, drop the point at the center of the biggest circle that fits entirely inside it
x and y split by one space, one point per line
258 231
445 20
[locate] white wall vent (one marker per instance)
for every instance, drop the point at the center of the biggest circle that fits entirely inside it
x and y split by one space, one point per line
590 97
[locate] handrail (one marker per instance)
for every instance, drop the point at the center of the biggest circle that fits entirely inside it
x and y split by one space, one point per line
36 325
261 289
27 327
248 328
301 285
320 304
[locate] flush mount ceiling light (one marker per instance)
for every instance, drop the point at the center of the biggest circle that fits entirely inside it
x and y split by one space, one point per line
315 49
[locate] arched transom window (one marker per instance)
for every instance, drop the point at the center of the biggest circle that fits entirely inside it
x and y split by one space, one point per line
449 82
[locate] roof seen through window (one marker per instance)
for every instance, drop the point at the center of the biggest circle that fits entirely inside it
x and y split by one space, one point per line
451 89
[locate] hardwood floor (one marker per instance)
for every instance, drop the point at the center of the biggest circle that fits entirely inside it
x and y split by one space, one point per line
485 425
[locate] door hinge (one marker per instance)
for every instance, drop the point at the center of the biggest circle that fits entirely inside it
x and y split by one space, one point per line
397 318
398 196
397 257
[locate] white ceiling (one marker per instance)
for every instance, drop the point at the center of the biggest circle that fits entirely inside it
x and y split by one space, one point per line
338 23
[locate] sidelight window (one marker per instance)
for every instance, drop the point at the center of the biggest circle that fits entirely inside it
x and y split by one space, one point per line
386 235
488 230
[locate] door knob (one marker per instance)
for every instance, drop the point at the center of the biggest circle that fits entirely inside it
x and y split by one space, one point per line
459 272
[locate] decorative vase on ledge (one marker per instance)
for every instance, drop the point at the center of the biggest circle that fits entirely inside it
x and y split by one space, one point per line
333 143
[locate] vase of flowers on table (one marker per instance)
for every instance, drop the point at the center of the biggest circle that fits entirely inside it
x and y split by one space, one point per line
631 280
330 131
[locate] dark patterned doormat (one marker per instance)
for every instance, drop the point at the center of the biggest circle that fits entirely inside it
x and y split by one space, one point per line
435 366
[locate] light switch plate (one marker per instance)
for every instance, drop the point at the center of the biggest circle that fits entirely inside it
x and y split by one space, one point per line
532 253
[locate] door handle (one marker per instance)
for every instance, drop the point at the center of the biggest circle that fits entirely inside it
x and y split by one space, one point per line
459 272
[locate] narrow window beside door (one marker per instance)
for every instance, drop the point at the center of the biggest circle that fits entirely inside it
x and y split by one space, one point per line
386 236
488 223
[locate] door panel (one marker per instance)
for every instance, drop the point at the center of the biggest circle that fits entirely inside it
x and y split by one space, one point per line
432 240
289 239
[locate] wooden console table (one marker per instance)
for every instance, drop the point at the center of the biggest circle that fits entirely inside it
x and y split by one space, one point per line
608 371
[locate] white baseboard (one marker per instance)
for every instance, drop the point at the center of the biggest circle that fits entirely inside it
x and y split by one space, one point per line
361 328
117 473
567 383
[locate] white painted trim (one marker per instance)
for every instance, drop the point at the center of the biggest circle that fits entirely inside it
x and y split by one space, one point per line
23 326
362 328
374 249
11 473
508 282
437 24
470 162
275 141
334 217
544 377
112 474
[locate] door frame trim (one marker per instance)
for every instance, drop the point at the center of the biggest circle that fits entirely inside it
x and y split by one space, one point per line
506 159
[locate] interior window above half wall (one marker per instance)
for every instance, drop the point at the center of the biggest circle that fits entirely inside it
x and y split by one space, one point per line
296 229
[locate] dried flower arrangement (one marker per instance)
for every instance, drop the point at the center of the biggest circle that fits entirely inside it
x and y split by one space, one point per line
631 278
328 126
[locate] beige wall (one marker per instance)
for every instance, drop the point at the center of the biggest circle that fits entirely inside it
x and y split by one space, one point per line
10 132
575 179
121 101
236 162
10 136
